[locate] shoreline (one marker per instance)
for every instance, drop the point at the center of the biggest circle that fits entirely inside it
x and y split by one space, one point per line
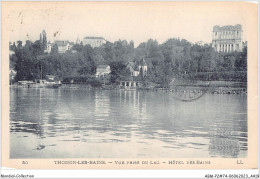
182 89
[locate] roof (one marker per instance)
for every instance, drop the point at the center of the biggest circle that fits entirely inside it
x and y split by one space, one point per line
143 63
103 69
237 27
102 66
50 76
63 43
130 68
132 64
94 38
12 72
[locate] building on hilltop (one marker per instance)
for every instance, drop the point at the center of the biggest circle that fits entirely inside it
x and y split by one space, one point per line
48 48
227 38
63 46
94 41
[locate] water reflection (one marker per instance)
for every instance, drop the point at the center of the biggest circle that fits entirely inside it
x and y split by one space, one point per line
96 123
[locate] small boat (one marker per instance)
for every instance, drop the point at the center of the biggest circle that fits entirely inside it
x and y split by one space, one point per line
46 84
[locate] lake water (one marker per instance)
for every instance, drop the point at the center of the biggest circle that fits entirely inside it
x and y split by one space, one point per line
65 123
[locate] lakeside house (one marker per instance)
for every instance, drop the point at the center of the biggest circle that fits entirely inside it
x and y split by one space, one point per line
137 68
131 66
142 67
12 74
102 70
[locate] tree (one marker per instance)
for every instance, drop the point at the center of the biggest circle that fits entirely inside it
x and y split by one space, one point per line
174 58
44 40
88 69
54 49
12 47
241 60
37 48
78 47
118 71
24 64
19 44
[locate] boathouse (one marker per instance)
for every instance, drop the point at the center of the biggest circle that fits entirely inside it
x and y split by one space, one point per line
128 85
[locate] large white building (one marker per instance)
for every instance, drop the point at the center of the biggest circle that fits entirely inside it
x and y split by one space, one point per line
94 41
227 38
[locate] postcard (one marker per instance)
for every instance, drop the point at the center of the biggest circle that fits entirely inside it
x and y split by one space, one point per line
129 85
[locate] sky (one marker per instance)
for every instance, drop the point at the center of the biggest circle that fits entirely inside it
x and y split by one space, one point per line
137 21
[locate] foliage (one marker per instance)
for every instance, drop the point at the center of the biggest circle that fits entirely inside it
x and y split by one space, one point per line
95 83
173 59
118 71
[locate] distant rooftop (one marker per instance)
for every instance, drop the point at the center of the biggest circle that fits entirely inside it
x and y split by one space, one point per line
227 27
93 38
131 63
50 76
63 42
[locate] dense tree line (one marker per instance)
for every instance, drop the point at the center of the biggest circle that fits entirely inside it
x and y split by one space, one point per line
173 59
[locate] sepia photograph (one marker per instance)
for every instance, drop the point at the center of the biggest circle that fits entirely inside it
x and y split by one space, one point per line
132 84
